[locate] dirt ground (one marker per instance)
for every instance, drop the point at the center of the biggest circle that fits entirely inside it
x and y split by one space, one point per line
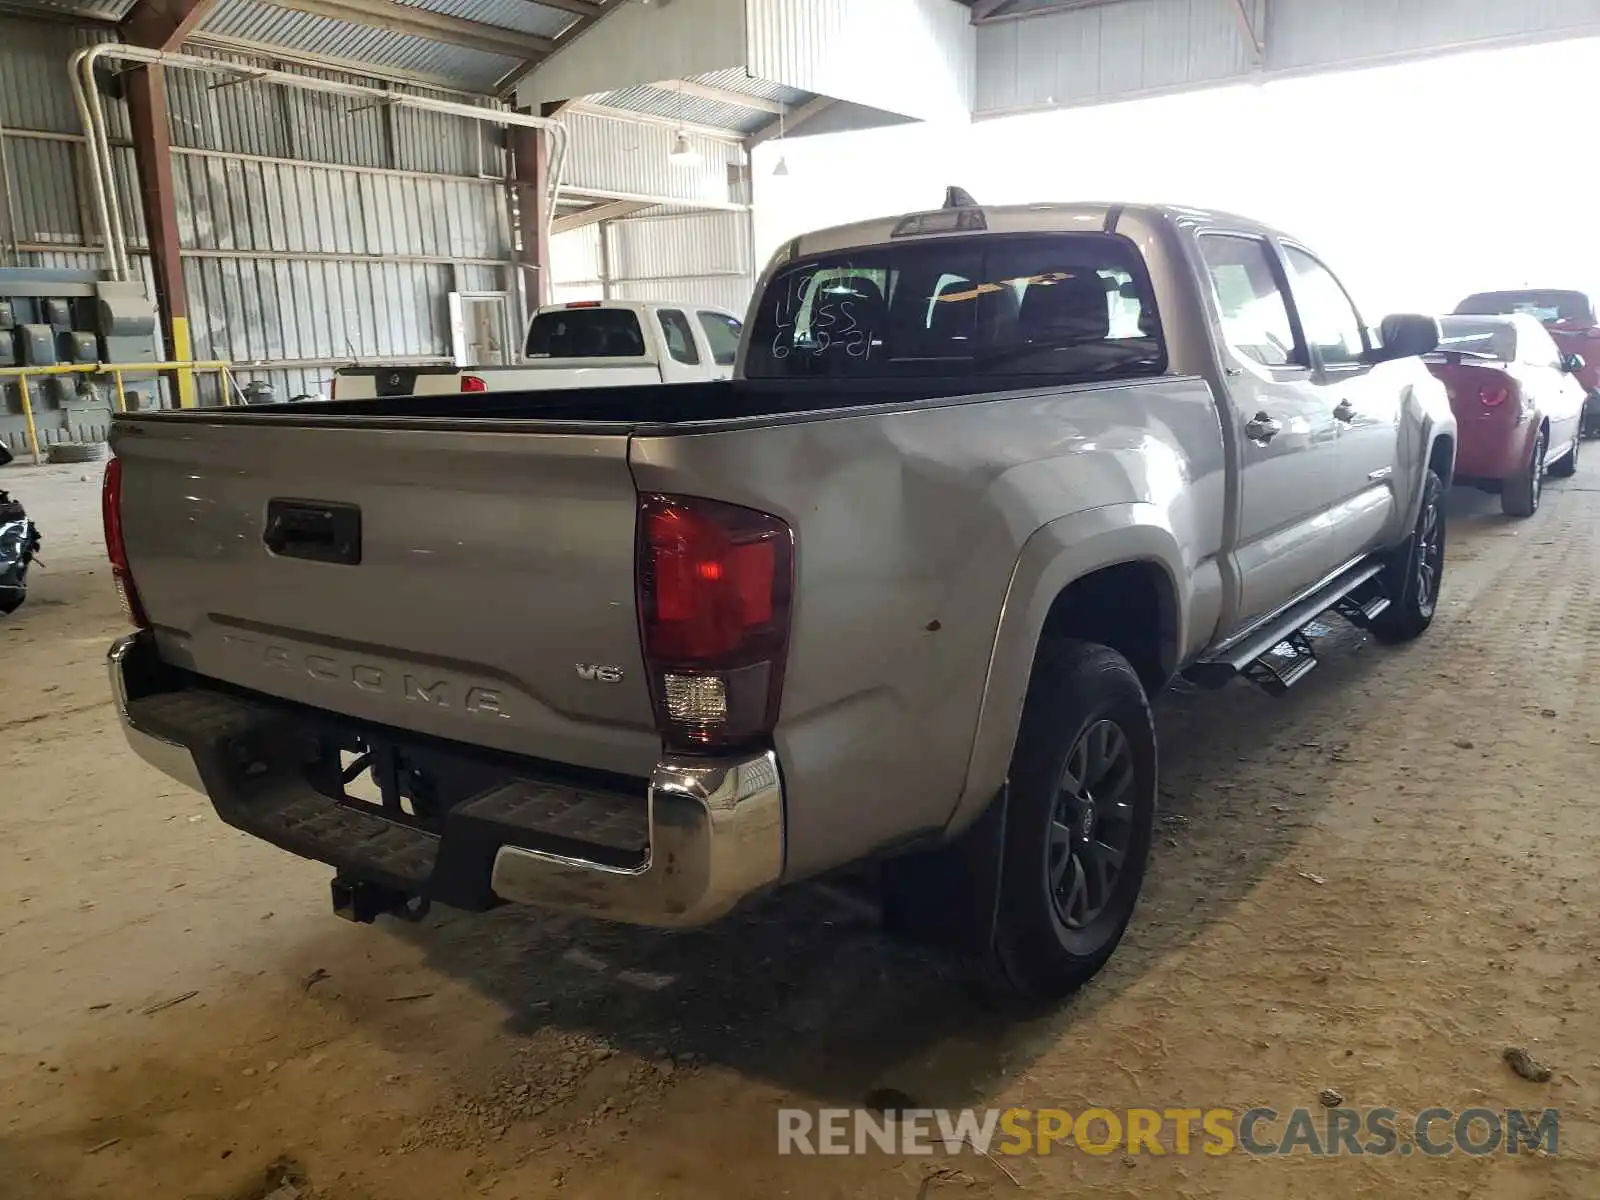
1374 885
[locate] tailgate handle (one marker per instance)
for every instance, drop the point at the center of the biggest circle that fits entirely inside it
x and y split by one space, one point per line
314 529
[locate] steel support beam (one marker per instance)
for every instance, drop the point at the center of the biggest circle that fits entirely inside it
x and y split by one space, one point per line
1252 40
164 24
984 12
688 87
146 91
530 172
786 125
419 22
611 210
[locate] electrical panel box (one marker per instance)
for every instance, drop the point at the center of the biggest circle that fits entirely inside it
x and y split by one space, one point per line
57 314
79 346
8 317
127 322
36 346
8 348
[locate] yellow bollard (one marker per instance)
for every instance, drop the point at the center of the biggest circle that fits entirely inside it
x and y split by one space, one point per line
27 411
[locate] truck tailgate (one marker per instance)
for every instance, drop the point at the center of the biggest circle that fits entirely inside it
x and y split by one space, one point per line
470 584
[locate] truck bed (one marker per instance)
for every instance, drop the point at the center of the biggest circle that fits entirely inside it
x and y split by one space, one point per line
664 404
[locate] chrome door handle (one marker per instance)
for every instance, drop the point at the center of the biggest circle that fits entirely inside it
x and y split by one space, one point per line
1345 411
1262 428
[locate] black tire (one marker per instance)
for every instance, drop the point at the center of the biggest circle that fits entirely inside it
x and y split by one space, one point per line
1078 693
1520 495
1415 571
1566 466
1591 416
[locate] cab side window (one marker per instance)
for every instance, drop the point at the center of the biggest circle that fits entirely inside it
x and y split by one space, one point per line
1255 313
722 334
1331 322
679 337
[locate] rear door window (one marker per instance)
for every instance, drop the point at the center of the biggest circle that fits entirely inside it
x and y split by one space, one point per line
1076 304
722 335
585 333
679 337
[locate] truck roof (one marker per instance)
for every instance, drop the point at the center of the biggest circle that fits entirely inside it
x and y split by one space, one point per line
1021 218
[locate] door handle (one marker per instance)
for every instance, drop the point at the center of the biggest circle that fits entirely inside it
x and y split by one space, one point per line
1262 428
1345 411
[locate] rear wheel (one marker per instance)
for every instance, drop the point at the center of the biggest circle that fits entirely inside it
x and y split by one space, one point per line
1566 466
1078 823
1415 571
1520 495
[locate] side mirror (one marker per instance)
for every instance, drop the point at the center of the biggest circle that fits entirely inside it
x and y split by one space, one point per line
1406 335
1572 363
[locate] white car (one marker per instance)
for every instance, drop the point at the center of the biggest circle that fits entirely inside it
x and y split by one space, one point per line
589 343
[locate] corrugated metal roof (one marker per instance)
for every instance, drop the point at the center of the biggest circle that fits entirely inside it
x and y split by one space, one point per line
525 17
691 110
737 79
268 25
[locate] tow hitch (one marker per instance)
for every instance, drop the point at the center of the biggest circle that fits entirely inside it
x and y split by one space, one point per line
363 902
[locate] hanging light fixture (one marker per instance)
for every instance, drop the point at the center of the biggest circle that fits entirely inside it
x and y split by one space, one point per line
782 168
682 153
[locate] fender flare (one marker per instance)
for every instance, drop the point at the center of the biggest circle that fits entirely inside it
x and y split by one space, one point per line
1055 556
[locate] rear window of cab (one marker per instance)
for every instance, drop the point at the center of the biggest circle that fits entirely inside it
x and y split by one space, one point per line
1071 304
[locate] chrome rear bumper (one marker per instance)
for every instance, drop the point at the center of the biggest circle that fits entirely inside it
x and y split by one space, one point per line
715 826
127 658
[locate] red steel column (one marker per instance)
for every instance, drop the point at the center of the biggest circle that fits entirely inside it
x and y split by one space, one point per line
152 152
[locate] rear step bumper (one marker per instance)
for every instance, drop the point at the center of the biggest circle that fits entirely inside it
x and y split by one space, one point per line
706 833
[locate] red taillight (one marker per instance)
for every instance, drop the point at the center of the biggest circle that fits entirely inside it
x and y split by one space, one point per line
116 548
585 304
714 582
474 383
1494 395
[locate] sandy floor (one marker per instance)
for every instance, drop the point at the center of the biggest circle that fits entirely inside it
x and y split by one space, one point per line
1374 885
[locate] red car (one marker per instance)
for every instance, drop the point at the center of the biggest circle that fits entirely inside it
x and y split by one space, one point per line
1518 405
1570 319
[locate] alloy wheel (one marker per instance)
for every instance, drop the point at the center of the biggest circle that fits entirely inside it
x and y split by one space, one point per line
1091 825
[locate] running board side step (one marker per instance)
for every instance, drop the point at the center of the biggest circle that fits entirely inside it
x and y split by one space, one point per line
1276 654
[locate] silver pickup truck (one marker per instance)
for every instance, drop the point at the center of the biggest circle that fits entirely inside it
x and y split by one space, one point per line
895 596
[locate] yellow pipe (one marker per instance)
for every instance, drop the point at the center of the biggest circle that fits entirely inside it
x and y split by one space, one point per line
27 411
139 368
122 396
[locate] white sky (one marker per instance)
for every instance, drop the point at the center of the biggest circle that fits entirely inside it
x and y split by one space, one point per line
1418 183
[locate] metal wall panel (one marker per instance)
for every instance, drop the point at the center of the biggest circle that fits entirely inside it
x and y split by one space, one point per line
33 76
837 48
639 44
269 207
575 259
1303 35
703 258
696 258
1131 48
44 176
1128 48
617 157
695 246
731 293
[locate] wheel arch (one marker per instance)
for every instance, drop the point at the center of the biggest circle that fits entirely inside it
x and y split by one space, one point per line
1116 575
